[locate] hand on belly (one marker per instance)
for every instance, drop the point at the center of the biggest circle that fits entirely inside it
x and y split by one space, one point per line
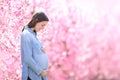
43 49
43 73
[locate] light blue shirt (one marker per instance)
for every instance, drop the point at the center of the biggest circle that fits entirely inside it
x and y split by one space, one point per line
33 58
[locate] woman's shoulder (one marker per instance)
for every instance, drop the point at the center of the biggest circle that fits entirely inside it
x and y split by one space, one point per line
26 33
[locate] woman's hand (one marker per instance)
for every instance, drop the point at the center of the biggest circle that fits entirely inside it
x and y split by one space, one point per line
43 49
43 73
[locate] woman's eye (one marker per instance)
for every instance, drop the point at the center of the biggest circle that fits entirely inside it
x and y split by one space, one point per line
43 25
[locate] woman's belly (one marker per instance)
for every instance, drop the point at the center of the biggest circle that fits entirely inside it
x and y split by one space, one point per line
42 60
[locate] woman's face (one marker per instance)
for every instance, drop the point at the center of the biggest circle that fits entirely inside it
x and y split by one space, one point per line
40 26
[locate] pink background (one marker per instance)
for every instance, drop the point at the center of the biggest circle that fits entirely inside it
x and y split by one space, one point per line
82 39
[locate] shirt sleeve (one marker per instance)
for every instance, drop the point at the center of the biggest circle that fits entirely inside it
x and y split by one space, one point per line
27 53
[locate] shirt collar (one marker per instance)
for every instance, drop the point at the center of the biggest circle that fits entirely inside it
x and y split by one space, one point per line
30 30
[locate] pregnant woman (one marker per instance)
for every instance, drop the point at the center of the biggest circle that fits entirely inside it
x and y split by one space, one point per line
33 58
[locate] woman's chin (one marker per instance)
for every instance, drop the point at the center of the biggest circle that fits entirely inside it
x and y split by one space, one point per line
38 30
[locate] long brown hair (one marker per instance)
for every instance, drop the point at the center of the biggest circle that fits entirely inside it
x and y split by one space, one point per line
38 17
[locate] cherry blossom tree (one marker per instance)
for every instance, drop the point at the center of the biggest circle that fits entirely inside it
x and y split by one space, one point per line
82 38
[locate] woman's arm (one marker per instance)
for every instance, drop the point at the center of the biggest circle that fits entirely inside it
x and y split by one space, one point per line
26 43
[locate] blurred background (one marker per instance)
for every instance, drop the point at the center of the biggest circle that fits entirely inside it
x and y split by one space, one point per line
82 38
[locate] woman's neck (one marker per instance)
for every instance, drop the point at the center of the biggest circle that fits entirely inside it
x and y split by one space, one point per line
32 29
